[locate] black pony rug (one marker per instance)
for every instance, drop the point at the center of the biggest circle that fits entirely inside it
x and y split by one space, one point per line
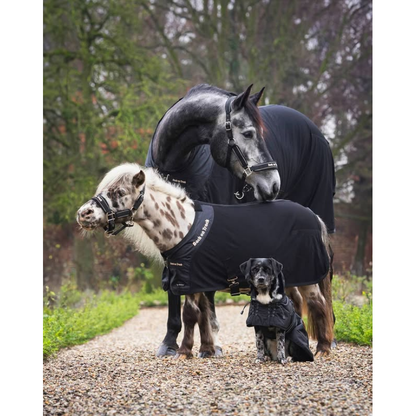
224 236
303 156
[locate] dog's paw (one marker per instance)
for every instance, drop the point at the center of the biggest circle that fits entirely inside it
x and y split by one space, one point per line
283 361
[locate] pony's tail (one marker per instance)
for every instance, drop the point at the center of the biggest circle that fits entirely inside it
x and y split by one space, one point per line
320 314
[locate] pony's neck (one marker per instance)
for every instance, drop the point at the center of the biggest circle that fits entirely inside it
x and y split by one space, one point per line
165 218
188 124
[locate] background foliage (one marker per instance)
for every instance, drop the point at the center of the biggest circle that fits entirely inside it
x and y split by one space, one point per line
112 69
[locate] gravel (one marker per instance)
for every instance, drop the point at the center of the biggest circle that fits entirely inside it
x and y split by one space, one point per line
118 374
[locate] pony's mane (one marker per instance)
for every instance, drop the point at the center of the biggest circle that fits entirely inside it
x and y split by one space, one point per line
123 175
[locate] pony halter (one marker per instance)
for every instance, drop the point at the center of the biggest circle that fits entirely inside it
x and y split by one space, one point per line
112 216
233 147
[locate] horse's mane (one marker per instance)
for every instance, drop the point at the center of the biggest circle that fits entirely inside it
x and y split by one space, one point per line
123 175
251 109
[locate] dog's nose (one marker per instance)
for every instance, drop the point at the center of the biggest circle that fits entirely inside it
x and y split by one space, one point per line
261 279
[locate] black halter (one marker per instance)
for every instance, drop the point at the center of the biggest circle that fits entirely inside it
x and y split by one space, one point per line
112 216
233 147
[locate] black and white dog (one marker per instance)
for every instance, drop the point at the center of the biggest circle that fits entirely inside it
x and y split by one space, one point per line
280 331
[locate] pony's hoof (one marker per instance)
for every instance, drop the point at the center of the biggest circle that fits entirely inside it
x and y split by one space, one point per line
218 351
165 351
322 353
334 343
206 354
260 360
183 356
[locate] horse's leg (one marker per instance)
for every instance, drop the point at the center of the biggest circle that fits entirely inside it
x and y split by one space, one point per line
296 297
215 326
320 319
204 322
169 346
191 315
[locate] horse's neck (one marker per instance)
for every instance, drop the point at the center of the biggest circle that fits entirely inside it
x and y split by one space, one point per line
165 219
188 124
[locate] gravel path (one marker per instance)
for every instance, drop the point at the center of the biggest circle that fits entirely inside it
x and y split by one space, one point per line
118 374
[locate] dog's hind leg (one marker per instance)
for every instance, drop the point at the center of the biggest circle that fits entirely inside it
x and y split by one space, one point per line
320 315
204 322
191 315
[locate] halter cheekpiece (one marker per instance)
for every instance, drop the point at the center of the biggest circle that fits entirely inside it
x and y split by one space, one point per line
233 147
112 216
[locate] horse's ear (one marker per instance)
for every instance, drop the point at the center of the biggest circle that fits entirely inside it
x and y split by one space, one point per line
245 269
241 99
138 179
255 98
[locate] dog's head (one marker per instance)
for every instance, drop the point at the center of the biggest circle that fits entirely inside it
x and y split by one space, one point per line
265 276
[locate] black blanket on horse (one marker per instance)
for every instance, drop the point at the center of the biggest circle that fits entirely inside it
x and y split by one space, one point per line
281 314
224 236
303 156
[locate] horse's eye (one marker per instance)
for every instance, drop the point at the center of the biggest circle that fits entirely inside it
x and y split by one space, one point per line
248 134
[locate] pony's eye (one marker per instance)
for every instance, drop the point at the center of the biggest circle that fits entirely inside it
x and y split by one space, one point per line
248 134
121 192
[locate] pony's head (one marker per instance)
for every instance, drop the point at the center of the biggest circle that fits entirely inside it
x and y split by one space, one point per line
117 198
238 141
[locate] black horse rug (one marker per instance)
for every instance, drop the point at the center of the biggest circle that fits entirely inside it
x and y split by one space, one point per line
281 314
303 156
224 236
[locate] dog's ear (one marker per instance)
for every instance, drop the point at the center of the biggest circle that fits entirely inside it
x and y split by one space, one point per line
246 269
278 284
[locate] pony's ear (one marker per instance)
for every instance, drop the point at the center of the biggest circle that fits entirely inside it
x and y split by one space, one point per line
241 99
138 179
245 269
255 98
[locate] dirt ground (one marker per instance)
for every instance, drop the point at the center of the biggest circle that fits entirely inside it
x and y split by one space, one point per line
118 374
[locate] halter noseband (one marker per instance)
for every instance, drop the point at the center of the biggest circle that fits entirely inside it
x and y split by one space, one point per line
233 147
112 216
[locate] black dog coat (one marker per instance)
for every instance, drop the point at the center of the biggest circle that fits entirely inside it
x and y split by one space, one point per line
281 314
303 156
224 236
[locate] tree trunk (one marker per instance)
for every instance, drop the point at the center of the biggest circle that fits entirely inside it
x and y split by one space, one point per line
359 268
84 263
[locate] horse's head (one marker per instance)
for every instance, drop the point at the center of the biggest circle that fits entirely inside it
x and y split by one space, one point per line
238 145
118 197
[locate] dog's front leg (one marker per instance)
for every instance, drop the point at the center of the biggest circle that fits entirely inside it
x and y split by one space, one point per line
281 354
260 345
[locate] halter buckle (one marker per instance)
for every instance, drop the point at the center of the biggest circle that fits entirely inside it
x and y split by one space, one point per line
247 171
228 125
111 216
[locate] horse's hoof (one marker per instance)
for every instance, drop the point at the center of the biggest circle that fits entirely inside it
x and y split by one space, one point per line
165 351
205 354
260 360
334 343
218 351
183 356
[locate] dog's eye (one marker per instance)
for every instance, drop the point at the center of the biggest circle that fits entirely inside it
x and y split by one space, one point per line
266 270
255 269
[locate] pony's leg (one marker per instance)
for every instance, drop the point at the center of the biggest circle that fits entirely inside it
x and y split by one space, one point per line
204 322
323 289
169 346
296 297
320 318
191 315
215 326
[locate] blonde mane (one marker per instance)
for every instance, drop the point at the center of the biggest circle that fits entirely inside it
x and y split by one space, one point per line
123 175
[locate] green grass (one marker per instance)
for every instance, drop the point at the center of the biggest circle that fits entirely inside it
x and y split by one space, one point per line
65 326
354 323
